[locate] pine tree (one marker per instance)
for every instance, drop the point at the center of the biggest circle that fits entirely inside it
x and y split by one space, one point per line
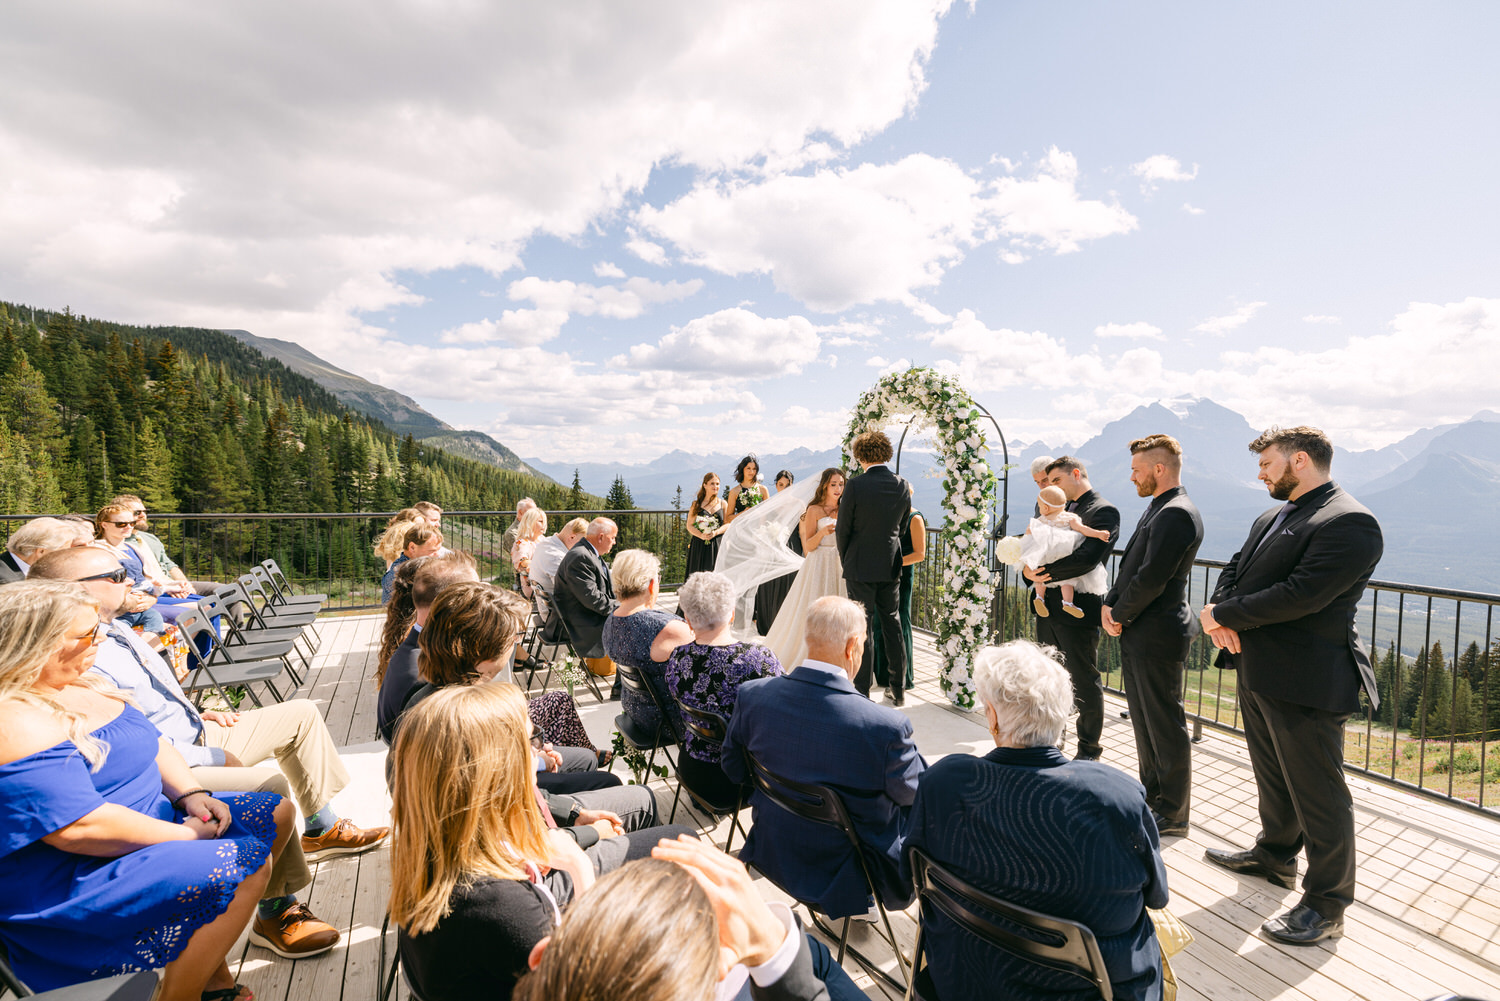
575 493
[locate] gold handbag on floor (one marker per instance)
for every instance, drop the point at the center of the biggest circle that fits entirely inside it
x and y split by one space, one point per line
1173 936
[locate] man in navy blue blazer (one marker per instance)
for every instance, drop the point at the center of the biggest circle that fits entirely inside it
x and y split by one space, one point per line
812 725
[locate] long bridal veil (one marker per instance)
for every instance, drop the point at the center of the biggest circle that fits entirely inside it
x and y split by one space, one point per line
754 548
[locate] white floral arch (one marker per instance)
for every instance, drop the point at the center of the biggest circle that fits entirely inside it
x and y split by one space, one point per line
939 403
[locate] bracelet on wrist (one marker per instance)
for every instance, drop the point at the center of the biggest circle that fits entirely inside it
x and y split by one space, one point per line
177 803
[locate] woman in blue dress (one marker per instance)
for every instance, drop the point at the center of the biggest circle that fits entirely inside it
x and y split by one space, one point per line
642 636
111 858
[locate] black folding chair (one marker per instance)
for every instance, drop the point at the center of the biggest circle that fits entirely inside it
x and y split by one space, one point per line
658 738
1055 943
823 805
240 645
217 667
555 633
710 728
283 586
257 628
257 585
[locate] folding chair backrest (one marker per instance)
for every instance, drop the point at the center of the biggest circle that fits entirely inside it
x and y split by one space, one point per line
276 577
706 725
233 597
816 803
1055 943
195 628
254 585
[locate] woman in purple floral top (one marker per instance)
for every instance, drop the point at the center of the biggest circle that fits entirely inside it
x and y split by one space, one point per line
707 673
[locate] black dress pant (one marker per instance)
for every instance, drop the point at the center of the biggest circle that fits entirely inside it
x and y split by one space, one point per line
882 601
1298 756
1163 748
1079 645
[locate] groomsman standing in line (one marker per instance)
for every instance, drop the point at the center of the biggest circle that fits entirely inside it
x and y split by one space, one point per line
1283 614
1148 609
1078 639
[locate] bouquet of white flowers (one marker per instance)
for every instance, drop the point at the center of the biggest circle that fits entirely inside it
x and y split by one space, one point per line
750 497
1008 550
706 523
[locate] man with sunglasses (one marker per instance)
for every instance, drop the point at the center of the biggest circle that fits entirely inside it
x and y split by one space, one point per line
150 542
220 745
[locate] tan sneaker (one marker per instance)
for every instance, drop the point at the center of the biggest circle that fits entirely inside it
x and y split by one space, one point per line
295 933
342 838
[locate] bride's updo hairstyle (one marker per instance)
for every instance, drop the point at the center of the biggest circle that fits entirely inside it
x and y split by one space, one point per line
820 498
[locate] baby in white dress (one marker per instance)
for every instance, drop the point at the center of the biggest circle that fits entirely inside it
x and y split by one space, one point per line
1051 537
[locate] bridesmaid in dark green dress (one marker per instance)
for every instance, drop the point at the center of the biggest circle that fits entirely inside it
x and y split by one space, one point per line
913 551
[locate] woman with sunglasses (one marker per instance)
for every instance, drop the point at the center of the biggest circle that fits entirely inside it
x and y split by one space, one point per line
111 858
113 524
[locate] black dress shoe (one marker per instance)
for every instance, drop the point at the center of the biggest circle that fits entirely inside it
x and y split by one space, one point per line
1250 864
1169 828
898 698
1303 926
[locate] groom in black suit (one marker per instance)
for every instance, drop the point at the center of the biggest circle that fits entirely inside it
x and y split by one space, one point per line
1283 614
1077 639
1148 609
869 540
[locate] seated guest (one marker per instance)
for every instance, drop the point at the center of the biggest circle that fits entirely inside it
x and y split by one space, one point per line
111 527
1069 838
143 539
508 540
550 551
430 511
31 542
418 583
812 725
474 888
639 635
219 745
584 595
389 542
421 539
685 925
467 640
707 672
531 527
113 858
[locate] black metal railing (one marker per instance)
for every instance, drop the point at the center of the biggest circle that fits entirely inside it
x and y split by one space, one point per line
1437 662
1437 667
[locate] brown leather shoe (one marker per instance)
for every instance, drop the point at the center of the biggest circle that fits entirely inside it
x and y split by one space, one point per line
294 933
342 838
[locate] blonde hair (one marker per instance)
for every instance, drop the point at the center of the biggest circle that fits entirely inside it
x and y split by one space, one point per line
645 932
392 542
34 621
578 526
462 801
632 573
527 523
1053 497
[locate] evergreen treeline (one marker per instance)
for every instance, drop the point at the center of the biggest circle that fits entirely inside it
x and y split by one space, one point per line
195 421
1424 695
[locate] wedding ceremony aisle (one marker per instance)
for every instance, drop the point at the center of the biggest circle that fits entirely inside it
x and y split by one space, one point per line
1426 921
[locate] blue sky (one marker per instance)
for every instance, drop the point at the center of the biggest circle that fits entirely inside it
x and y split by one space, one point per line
605 230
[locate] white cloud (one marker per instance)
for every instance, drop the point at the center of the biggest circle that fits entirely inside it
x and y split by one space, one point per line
843 236
876 361
733 343
1159 168
557 300
1192 209
1320 318
1046 212
1221 325
608 269
1138 331
283 160
651 253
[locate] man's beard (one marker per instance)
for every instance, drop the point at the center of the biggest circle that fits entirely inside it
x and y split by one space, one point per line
1285 483
1146 486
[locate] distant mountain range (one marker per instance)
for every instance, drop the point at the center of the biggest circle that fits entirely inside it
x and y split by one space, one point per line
1436 492
396 411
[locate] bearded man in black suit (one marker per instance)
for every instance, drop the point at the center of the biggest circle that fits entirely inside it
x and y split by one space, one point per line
1283 614
1078 638
869 541
1148 609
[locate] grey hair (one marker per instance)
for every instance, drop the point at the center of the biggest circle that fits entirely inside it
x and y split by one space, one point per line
633 571
706 600
1040 464
834 621
523 505
41 534
601 525
1029 690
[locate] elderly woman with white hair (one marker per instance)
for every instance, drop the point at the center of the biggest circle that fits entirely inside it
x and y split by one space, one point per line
1070 838
640 635
707 672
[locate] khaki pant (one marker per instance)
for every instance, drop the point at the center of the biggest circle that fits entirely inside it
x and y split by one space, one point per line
309 771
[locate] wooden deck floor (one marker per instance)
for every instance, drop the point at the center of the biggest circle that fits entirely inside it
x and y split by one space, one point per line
1426 922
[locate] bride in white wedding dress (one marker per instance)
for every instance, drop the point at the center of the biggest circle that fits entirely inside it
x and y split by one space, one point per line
822 573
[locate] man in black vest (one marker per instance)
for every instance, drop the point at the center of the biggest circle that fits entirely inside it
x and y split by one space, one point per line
1283 614
1148 609
1078 638
869 539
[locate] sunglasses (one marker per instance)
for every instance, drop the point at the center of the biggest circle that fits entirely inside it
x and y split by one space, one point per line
121 524
139 514
96 636
115 576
